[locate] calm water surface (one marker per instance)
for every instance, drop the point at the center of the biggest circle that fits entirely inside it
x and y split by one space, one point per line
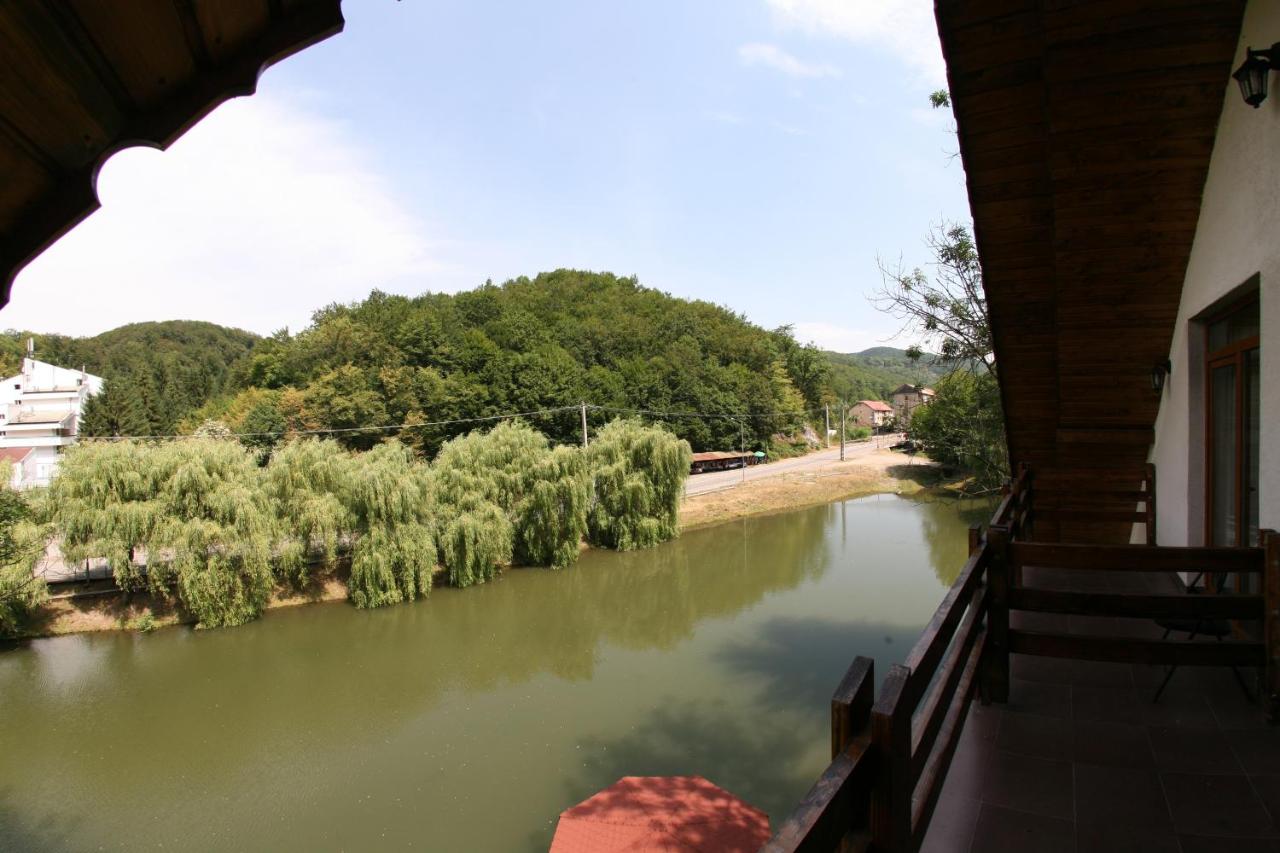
467 722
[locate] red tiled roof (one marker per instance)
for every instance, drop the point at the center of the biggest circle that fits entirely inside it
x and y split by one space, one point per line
875 405
14 454
661 813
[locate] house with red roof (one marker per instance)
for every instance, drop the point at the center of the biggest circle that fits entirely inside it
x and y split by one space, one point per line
870 413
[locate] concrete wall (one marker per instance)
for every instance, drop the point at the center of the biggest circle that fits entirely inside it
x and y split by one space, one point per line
1238 236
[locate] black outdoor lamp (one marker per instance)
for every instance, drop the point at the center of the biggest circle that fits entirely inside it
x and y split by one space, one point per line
1158 374
1252 75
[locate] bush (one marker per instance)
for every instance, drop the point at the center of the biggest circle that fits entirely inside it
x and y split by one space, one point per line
859 432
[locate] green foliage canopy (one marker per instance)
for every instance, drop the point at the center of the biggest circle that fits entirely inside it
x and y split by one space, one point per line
638 473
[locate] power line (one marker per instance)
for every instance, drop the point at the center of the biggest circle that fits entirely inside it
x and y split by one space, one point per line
737 417
338 430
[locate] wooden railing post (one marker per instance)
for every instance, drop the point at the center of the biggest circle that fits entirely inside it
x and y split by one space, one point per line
1151 504
851 704
1028 506
995 676
975 538
1270 541
891 736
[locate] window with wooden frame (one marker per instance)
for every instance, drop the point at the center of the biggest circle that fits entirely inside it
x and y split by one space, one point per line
1232 430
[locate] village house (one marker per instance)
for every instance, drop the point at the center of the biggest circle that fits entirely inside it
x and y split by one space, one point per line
40 411
908 398
870 413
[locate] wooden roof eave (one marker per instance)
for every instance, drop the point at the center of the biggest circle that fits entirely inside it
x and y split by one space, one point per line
74 197
1085 130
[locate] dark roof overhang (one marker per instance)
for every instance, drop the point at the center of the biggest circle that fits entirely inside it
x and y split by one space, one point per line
1086 130
84 79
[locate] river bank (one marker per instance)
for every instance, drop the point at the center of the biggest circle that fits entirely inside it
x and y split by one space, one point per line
331 727
881 472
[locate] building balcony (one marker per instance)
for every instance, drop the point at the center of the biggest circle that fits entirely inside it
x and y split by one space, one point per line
1066 697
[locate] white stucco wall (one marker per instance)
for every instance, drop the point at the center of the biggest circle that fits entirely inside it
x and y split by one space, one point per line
1238 236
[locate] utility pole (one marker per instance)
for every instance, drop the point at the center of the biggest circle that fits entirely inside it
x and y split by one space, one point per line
742 441
842 430
584 424
827 408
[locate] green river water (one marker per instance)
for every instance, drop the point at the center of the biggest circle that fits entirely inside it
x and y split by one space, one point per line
468 721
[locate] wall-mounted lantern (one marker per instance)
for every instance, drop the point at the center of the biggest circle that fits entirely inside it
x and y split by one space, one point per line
1159 373
1252 75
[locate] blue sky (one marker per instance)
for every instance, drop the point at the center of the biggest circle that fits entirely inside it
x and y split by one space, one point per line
757 153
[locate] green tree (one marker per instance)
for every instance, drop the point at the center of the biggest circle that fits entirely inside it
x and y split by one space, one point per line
114 411
394 544
344 399
963 427
196 509
21 544
638 474
542 493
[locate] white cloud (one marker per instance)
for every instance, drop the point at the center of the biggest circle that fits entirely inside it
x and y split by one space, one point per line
772 56
905 28
260 214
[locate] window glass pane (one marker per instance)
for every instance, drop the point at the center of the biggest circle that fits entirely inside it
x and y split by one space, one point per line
1234 327
1222 451
1252 433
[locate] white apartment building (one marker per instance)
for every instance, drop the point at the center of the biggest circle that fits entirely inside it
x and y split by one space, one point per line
40 412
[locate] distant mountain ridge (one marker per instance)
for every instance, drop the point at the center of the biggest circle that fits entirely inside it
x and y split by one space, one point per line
873 373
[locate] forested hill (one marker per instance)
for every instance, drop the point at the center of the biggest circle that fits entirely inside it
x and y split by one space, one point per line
157 373
528 345
873 373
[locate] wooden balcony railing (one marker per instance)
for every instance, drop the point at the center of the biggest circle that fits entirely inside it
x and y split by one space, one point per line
890 758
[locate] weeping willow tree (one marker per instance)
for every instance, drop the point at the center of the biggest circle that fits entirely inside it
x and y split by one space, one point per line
552 520
22 542
512 497
638 473
308 481
393 552
105 502
196 507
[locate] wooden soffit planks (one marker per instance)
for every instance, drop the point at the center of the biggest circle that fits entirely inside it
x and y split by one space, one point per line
1086 128
83 79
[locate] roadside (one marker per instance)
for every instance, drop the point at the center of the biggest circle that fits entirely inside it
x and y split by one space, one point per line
872 471
702 483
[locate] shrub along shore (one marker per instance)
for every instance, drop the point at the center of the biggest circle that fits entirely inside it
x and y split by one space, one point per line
204 528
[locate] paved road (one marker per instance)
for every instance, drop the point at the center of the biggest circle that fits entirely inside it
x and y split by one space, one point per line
700 484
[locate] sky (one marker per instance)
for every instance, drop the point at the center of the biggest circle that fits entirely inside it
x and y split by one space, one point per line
764 155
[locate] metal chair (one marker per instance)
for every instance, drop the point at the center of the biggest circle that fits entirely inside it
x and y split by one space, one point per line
1200 627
